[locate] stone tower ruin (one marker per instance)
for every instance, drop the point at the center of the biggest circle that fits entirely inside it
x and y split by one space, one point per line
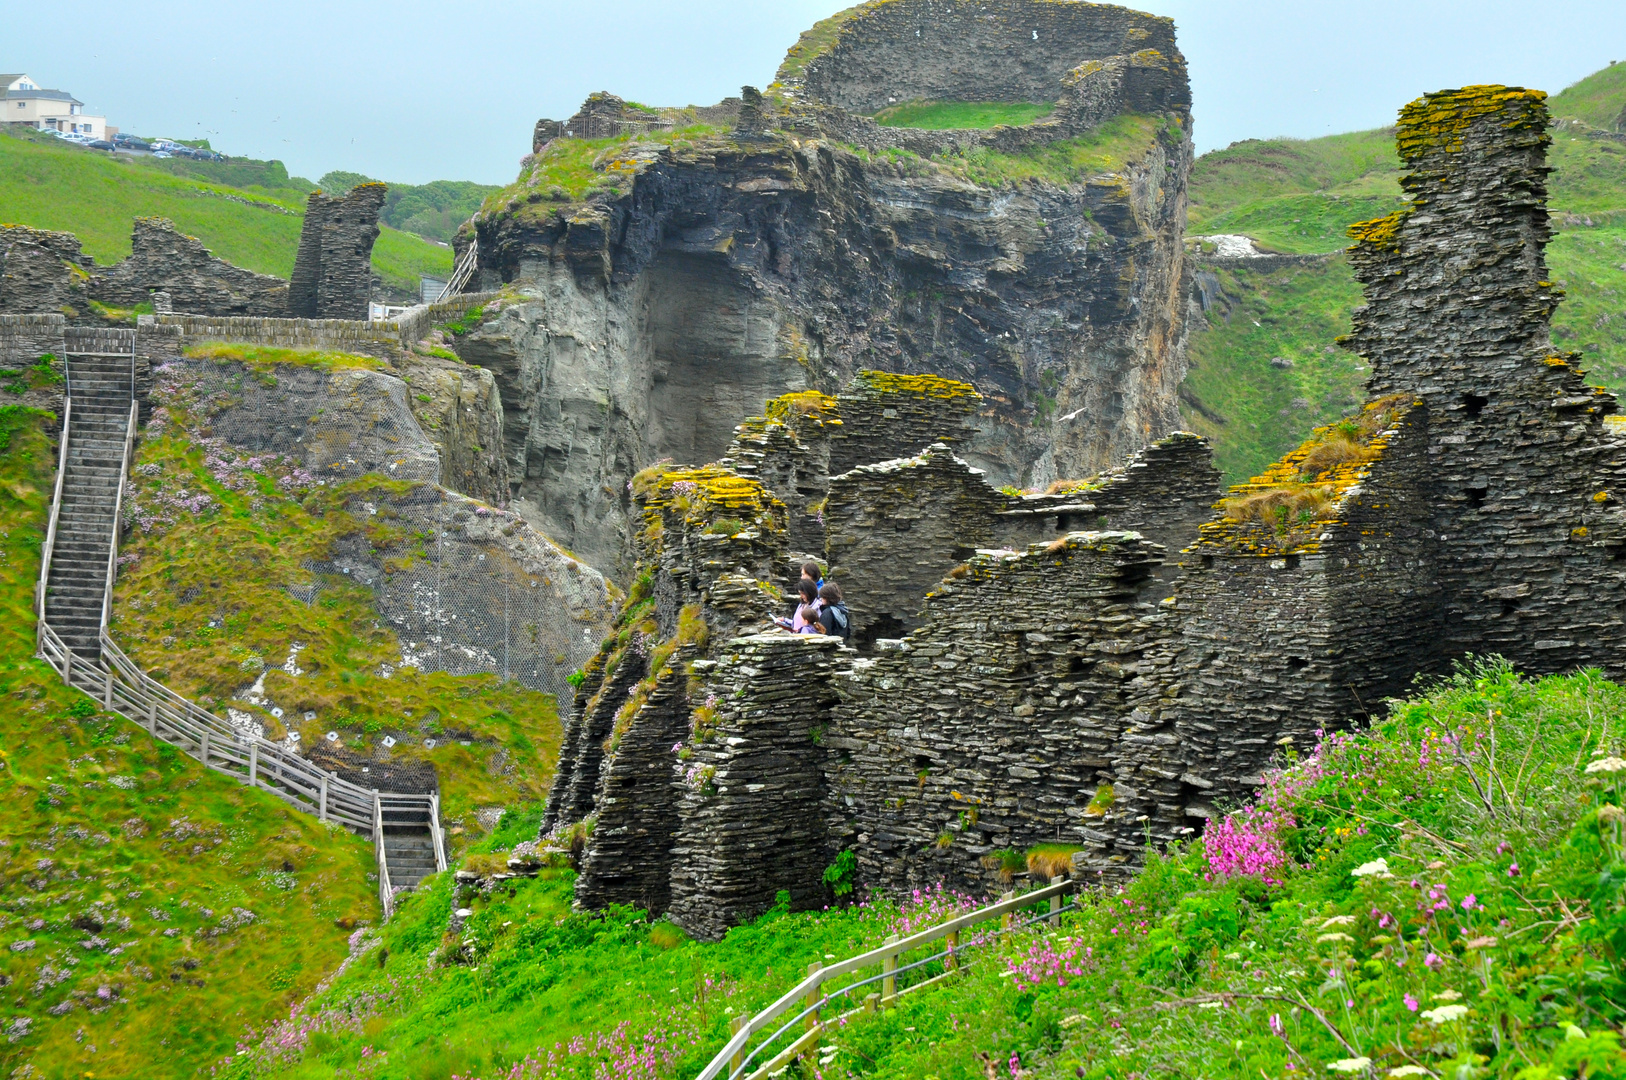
333 269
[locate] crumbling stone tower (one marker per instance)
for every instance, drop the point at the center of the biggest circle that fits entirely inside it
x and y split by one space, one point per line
1457 312
333 269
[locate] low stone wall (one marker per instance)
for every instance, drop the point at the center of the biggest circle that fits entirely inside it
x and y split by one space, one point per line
26 338
753 789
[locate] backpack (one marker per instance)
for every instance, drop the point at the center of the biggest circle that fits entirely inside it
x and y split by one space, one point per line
843 620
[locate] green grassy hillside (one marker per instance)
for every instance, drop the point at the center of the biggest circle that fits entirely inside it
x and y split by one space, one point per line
1599 99
1299 197
97 197
151 911
1373 912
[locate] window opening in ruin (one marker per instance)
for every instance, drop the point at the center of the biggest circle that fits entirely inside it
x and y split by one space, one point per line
1208 562
1473 405
1476 497
1509 607
1062 522
1292 562
1297 663
961 554
1076 665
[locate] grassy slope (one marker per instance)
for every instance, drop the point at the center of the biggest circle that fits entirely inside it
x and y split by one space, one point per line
97 197
1511 911
103 825
1299 197
938 115
205 595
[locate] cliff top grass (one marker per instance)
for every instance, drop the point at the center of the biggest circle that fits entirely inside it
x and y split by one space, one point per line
1392 919
571 170
1288 507
1106 150
1599 99
127 870
49 185
962 115
204 603
815 41
262 358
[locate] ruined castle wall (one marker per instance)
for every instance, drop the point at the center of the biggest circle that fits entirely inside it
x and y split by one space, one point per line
163 259
886 416
26 338
1275 646
628 859
894 529
993 724
1458 303
333 269
752 790
1004 50
39 270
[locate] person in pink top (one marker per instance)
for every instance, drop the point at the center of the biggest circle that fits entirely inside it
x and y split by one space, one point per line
806 618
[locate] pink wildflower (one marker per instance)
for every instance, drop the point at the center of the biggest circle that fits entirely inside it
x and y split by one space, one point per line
1411 1002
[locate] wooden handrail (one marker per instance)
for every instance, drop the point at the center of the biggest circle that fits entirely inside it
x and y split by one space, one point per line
118 504
461 272
736 1045
56 511
386 897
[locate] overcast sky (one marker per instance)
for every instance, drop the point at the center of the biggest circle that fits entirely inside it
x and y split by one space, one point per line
412 91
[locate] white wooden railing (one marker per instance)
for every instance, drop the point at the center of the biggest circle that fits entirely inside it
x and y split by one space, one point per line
737 1059
122 687
462 271
386 895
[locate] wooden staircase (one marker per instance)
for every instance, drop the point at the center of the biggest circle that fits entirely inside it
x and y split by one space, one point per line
78 567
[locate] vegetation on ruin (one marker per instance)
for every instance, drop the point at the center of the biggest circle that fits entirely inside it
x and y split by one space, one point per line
814 42
703 496
151 911
892 382
263 359
573 170
48 185
1405 899
1300 197
961 115
215 597
1290 504
1105 150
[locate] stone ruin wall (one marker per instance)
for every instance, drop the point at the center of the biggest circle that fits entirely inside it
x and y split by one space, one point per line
163 259
333 267
896 51
1096 689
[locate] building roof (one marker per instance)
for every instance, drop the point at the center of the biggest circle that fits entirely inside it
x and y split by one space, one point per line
7 80
42 95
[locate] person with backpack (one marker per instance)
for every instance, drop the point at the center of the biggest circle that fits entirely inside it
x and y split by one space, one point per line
833 616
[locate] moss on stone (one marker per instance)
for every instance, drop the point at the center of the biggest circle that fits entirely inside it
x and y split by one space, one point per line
1438 122
262 358
890 382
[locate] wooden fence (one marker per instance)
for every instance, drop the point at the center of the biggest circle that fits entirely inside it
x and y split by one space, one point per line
121 686
735 1060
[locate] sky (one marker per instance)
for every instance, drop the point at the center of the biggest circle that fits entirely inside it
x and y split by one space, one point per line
411 91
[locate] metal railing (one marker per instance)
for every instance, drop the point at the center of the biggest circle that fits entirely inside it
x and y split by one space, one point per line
122 687
462 271
386 895
734 1059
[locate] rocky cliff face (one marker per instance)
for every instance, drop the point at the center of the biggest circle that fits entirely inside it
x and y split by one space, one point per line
675 268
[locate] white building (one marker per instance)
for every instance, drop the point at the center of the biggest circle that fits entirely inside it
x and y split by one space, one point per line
26 102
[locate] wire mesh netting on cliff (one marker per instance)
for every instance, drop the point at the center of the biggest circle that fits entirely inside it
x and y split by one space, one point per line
463 601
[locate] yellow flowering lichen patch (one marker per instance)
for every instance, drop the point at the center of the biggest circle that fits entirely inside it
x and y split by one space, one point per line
1382 233
1436 122
891 382
804 405
1290 504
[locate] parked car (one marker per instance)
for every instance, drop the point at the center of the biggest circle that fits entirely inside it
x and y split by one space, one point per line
130 142
101 144
162 153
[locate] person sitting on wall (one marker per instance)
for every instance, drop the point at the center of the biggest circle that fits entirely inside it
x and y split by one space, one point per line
805 619
833 616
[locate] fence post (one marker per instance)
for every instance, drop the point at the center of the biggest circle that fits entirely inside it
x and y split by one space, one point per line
812 1002
871 1000
67 665
1006 919
1055 903
889 981
107 689
737 1062
152 715
321 805
951 962
203 749
253 762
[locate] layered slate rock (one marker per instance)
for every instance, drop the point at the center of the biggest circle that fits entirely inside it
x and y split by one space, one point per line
163 259
753 786
783 242
333 268
40 271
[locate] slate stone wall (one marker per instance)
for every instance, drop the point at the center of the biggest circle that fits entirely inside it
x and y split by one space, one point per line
886 416
895 528
164 259
333 268
1458 302
39 270
752 792
1004 50
993 725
